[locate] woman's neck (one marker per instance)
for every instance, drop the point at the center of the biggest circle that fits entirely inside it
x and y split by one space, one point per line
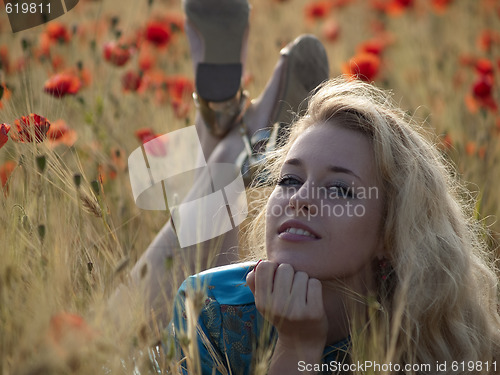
337 314
341 300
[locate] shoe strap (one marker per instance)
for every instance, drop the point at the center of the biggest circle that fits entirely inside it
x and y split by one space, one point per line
221 117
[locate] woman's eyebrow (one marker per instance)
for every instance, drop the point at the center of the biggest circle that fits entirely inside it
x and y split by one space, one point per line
332 168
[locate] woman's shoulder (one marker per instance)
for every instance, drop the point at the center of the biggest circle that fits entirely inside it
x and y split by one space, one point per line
225 284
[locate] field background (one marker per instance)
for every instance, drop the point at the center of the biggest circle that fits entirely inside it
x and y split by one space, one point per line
69 228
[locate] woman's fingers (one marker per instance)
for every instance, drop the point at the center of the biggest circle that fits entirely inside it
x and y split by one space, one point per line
291 301
282 286
299 293
314 292
264 275
281 291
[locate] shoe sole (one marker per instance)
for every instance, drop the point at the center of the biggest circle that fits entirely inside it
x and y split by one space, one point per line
221 24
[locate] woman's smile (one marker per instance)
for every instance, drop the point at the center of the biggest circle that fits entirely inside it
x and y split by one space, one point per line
294 230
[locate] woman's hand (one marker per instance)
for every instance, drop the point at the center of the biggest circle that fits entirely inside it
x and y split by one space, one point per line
293 303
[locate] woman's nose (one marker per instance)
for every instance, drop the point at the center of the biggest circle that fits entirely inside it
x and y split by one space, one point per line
304 199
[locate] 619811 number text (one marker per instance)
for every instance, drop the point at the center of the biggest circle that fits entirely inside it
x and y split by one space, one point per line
25 8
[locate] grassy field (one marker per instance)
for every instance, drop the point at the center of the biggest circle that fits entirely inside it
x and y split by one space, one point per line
69 228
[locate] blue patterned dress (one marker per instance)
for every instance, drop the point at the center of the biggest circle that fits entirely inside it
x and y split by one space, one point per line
229 323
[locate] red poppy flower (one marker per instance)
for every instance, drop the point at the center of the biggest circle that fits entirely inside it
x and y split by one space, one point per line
5 172
158 33
118 159
152 143
66 327
180 90
403 4
481 95
331 30
56 31
116 54
487 39
364 66
484 67
146 58
57 62
179 87
145 134
4 58
131 81
392 7
6 94
62 84
470 148
317 9
375 46
4 129
31 128
106 171
483 87
43 48
440 6
153 79
59 132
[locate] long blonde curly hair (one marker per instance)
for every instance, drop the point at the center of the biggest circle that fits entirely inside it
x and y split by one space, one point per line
443 302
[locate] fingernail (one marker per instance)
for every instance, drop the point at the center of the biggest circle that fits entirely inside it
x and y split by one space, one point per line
257 264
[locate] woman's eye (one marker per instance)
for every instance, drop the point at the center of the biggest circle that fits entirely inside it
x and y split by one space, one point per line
342 191
288 181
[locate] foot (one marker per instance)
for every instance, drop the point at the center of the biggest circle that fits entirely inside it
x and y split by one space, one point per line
303 65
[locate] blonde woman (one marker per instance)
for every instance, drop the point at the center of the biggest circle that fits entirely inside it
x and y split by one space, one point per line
373 264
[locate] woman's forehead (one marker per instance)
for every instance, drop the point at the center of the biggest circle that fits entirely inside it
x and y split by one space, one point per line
328 143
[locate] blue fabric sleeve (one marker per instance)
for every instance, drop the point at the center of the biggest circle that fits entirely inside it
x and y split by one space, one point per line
206 337
227 323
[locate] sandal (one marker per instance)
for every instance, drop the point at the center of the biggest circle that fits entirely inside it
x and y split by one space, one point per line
221 117
221 26
306 68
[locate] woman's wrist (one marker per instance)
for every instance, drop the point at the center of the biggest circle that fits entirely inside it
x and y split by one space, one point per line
289 353
301 344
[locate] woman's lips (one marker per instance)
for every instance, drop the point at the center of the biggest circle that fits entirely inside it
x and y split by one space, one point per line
294 230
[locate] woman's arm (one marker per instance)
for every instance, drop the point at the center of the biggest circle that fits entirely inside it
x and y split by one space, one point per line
293 303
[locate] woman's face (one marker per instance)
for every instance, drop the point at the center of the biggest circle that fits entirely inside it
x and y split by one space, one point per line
324 216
